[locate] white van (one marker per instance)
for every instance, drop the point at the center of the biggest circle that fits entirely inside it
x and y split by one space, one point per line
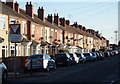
3 72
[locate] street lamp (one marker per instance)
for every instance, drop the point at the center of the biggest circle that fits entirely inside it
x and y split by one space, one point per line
116 36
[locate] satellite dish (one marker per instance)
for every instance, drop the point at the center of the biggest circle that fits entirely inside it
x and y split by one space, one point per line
1 40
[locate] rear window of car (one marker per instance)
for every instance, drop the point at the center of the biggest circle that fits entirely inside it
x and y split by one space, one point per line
35 56
60 55
78 54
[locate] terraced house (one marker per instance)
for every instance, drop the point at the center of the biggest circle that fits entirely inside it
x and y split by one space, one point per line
42 34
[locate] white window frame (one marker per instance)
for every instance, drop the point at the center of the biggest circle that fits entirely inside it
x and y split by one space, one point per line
33 29
6 50
23 27
2 22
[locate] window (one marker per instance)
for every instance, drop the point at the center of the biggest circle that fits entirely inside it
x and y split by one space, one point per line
45 34
55 35
28 51
12 50
2 22
23 27
34 50
33 29
61 37
4 51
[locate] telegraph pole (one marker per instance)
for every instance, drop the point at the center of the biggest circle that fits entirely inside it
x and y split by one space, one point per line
116 37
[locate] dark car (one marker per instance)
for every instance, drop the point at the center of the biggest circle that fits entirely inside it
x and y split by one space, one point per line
116 52
40 61
74 58
94 54
63 59
100 56
106 54
88 56
81 57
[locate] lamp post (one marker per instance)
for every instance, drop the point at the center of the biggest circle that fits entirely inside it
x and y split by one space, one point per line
116 37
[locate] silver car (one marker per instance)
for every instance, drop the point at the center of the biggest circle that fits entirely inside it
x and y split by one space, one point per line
3 73
40 61
81 57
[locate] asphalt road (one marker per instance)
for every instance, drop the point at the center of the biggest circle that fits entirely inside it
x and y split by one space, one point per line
102 71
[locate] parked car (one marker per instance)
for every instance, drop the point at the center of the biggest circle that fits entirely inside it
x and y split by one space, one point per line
100 56
88 56
111 53
119 52
94 54
74 57
106 54
40 61
115 52
81 57
63 59
3 73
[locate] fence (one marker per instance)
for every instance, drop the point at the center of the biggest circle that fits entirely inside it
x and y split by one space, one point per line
19 61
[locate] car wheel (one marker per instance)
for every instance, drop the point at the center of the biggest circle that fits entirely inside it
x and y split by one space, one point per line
54 67
83 61
47 69
68 63
4 77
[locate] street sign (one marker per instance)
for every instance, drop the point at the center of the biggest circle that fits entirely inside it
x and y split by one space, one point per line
14 28
14 34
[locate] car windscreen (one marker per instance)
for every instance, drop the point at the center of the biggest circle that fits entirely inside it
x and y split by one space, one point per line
35 56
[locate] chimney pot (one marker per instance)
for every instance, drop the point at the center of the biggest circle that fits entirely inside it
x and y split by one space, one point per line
30 3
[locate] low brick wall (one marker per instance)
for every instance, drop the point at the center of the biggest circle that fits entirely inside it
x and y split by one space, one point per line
19 62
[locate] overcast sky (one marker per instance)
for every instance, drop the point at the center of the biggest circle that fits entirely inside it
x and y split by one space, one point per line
101 15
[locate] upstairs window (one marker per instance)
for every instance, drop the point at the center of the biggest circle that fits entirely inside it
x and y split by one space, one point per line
2 22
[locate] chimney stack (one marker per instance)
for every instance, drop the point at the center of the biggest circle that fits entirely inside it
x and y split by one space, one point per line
10 3
49 18
17 7
84 29
62 22
80 27
41 13
30 9
75 24
68 22
56 19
